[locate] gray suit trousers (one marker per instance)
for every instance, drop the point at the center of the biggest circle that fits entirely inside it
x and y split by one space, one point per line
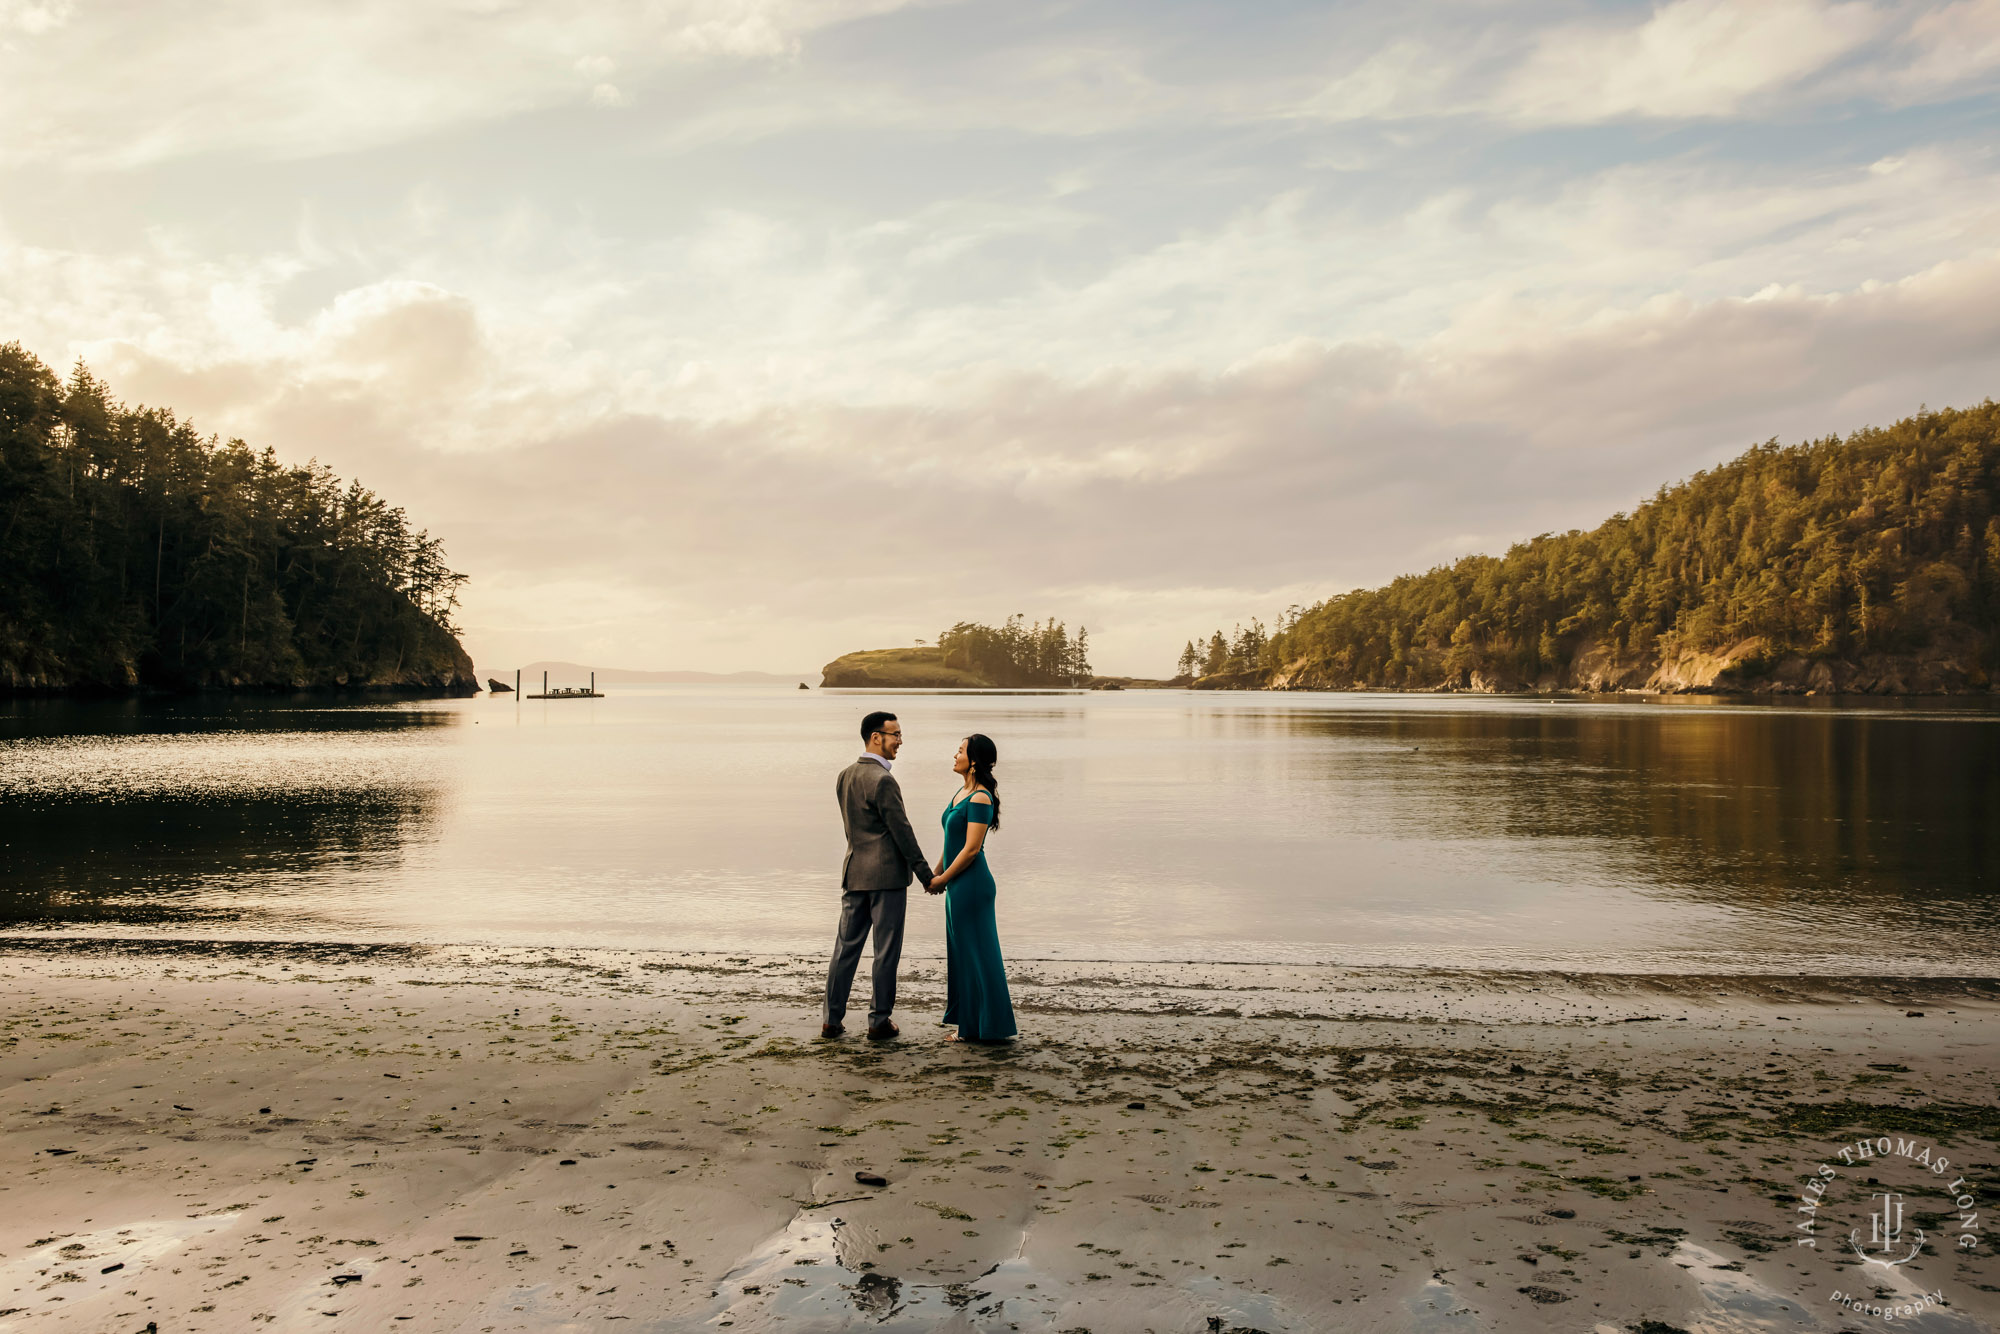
862 911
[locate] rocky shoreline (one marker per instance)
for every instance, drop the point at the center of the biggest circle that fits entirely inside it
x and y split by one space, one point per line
430 687
439 666
1750 667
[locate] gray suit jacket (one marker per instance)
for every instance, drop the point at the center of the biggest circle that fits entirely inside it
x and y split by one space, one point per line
882 851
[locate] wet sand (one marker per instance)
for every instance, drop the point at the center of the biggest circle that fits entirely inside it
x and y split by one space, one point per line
327 1138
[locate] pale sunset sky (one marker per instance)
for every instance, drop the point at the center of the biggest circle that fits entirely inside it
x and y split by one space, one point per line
723 334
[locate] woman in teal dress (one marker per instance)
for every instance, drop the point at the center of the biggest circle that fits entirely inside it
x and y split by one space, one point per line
975 976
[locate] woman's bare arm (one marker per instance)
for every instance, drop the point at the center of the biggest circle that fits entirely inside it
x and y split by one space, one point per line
975 839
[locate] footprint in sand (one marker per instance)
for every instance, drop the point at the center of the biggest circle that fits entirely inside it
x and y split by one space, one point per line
95 1256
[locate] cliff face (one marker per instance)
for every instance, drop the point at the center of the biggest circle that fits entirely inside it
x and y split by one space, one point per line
1750 666
433 663
437 664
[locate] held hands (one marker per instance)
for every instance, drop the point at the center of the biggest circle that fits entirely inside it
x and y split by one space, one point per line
934 884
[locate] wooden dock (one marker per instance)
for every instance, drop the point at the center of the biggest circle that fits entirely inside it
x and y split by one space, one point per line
563 692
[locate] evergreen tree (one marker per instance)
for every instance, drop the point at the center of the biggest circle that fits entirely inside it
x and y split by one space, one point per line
1190 662
1018 652
135 551
1246 647
1217 659
1887 542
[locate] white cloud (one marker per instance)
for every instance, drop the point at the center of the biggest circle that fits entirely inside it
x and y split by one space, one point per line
1690 58
1112 500
115 85
1405 78
1098 315
34 17
127 84
1682 60
1944 50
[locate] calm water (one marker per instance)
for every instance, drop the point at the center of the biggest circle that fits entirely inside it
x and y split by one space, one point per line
1367 829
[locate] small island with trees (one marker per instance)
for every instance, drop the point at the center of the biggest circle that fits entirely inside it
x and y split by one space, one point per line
136 553
1017 654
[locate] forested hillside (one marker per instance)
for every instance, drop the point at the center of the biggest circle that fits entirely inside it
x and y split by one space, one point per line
1865 564
136 552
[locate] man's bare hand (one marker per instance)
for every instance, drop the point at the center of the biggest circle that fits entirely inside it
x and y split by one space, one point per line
931 885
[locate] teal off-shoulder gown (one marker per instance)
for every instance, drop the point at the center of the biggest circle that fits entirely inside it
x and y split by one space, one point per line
975 976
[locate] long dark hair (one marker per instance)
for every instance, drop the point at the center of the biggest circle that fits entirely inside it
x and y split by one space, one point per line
979 749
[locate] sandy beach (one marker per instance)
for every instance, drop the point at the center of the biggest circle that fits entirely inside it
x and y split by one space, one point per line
290 1137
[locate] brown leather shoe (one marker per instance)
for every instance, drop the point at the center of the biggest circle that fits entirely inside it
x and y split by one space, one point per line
883 1032
831 1030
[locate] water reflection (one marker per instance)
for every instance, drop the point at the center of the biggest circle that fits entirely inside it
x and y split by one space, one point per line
1160 826
1835 813
120 812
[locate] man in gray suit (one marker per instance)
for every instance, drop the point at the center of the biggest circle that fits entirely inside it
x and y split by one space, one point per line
882 855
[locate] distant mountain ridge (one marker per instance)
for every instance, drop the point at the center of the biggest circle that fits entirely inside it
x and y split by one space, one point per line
571 673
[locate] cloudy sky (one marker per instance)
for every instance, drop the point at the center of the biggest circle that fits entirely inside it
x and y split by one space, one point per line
740 333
